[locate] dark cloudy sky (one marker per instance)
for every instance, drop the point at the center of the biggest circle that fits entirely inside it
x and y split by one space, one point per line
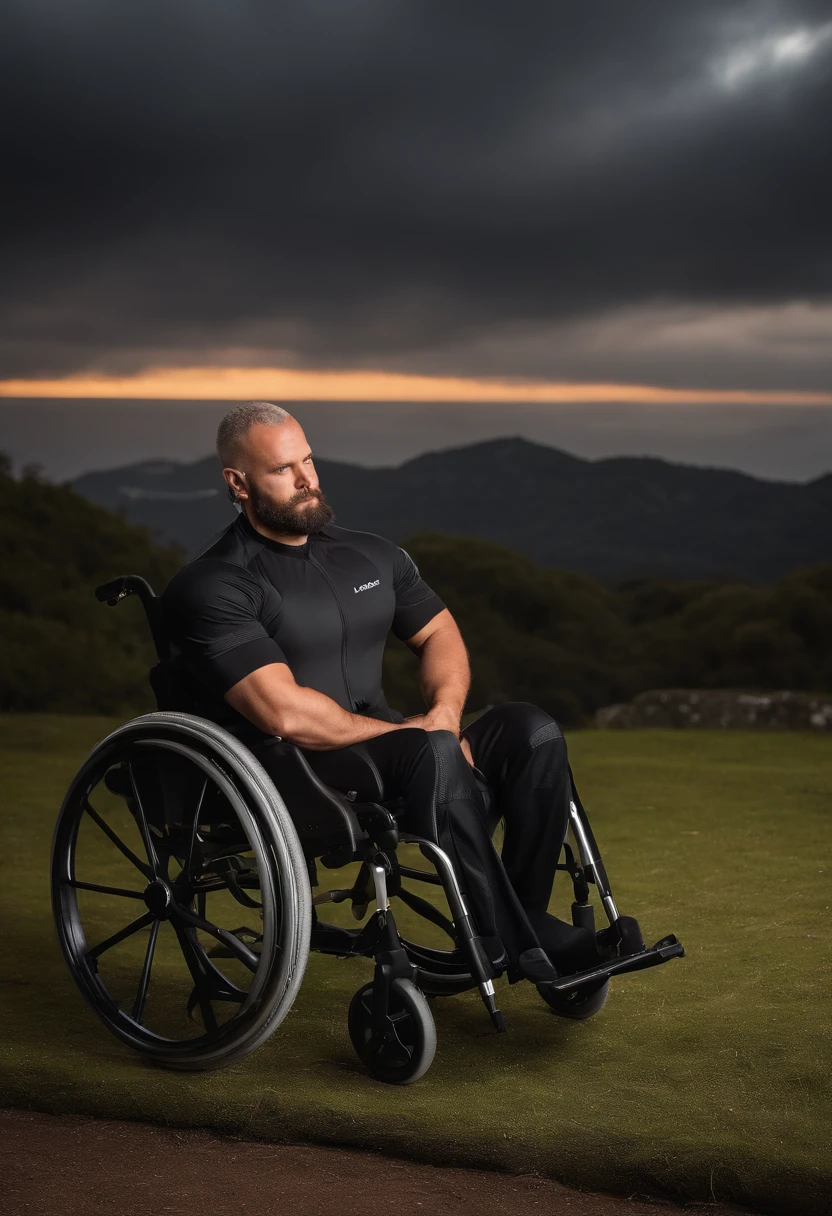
635 193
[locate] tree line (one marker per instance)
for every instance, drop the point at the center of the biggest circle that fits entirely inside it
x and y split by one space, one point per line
572 644
561 640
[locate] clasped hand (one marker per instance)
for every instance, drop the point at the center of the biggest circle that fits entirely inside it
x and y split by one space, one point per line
441 718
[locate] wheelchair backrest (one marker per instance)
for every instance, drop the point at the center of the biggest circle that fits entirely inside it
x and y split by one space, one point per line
174 687
118 589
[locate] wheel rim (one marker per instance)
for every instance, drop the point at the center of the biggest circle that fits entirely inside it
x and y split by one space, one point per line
395 1050
399 1051
191 966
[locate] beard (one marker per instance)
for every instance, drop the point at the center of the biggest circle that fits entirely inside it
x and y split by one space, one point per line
297 517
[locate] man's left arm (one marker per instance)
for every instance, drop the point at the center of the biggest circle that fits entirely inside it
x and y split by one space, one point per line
426 626
444 672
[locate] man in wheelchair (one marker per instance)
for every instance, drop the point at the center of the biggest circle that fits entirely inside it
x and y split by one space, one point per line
282 620
273 749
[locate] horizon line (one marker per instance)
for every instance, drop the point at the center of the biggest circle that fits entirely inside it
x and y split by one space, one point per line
293 384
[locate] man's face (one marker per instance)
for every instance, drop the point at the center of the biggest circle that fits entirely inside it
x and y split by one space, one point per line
281 486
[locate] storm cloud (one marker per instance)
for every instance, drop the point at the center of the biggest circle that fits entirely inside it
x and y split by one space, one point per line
637 190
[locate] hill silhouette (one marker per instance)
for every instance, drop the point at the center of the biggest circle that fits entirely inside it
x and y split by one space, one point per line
613 519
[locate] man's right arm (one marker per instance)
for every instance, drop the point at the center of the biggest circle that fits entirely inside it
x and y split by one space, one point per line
270 698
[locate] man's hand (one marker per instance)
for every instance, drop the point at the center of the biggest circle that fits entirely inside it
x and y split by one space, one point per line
466 750
442 717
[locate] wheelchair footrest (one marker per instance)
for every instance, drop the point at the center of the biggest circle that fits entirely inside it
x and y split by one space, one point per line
667 948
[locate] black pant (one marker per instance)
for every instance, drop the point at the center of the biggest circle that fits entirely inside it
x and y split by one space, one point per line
521 753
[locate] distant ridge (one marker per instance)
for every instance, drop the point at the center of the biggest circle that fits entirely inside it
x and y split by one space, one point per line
614 518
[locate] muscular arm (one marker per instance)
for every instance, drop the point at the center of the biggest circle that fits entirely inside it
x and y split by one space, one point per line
444 670
270 698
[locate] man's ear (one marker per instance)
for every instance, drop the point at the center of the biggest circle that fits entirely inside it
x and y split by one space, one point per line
235 481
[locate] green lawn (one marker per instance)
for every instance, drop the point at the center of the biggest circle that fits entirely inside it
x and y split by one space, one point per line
706 1078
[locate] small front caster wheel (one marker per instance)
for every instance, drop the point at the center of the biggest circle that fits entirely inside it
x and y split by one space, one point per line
405 1051
580 1004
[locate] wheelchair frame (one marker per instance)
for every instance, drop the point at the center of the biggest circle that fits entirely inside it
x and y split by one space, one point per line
390 1022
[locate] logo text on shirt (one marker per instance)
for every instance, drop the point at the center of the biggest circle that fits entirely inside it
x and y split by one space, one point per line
366 586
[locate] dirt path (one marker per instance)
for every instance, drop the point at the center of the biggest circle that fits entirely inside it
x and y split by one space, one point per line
100 1167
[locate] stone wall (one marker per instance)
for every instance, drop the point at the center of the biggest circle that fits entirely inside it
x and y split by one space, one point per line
718 707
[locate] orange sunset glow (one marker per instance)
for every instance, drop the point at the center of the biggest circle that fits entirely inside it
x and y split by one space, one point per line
292 384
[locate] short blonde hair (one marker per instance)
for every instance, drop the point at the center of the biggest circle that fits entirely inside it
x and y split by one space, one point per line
239 421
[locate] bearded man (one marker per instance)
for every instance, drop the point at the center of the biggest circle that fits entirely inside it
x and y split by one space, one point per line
283 621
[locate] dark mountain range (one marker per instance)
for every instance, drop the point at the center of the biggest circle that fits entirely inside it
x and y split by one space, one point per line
613 519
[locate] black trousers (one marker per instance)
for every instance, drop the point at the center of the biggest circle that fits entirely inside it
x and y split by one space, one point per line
520 751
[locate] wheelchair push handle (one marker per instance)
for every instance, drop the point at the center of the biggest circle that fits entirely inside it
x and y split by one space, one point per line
119 588
133 584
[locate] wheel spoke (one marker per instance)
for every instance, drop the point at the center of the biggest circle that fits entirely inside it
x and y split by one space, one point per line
397 1052
95 886
143 828
195 825
389 1049
239 894
396 1020
127 931
392 1045
141 994
239 949
120 845
198 976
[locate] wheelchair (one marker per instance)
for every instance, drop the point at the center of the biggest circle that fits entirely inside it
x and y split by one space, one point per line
174 818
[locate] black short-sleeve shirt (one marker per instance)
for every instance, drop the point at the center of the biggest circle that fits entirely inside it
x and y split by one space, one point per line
325 608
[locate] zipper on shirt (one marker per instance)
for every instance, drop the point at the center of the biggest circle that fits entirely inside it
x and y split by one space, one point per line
318 566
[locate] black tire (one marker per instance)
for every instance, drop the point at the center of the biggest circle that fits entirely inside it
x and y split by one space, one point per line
406 1052
580 1004
235 846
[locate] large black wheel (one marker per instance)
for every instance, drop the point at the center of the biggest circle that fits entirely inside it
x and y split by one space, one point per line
580 1004
405 1050
180 892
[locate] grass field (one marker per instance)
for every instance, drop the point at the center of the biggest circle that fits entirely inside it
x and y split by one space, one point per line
706 1078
